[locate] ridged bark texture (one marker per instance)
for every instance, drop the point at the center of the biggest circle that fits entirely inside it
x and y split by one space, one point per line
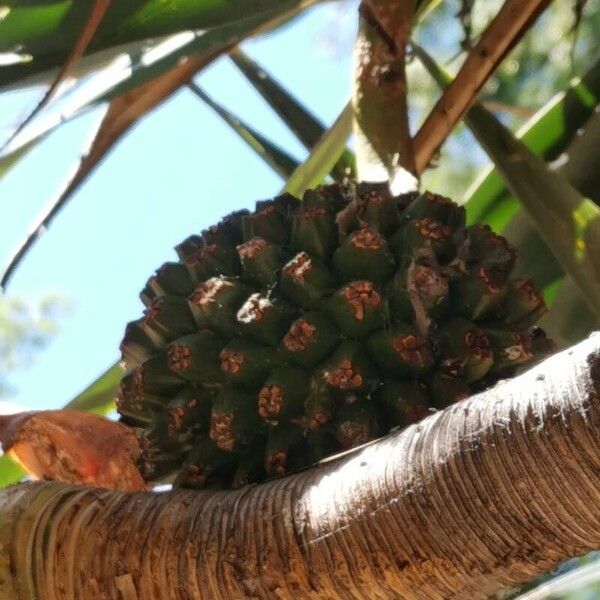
484 495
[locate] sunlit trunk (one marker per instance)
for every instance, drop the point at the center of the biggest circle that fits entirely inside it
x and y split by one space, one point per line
486 494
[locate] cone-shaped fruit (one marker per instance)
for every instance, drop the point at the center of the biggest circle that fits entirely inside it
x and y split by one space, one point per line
288 334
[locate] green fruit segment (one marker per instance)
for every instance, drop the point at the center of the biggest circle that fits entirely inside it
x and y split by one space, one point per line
189 411
215 303
265 319
251 467
447 388
228 232
233 420
188 247
281 442
319 408
314 231
524 304
172 279
260 260
479 293
437 208
306 281
289 334
419 287
212 260
377 209
140 342
169 317
400 351
309 339
357 308
154 377
205 461
356 424
466 349
266 222
348 369
321 444
195 357
282 394
364 255
487 249
245 362
404 401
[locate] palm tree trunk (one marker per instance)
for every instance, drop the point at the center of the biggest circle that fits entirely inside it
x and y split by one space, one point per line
484 495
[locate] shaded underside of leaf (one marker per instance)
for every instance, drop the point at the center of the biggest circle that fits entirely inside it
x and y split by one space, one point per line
274 156
299 119
384 146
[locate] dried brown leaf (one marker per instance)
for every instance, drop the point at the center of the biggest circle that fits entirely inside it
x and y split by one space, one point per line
74 447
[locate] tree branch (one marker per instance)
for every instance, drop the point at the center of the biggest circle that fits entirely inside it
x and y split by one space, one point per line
488 493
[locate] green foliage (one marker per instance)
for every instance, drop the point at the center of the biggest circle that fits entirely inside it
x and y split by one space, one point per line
43 33
25 329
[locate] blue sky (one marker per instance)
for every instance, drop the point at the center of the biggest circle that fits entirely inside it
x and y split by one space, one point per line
177 172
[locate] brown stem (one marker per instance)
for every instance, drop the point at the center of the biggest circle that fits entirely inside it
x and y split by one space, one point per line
379 99
508 26
486 494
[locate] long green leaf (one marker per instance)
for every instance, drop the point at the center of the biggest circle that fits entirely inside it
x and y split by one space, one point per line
324 155
546 134
84 37
146 66
279 160
46 31
578 164
307 128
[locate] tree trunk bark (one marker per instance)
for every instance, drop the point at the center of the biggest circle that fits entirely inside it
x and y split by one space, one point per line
482 496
